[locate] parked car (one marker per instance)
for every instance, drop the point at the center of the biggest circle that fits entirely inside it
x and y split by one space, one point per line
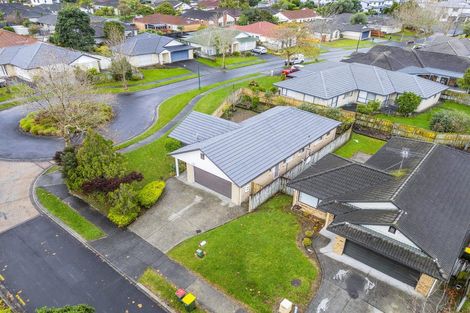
290 70
3 83
295 59
260 50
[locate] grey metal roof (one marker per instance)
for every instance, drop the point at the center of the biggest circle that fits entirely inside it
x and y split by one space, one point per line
199 127
329 80
207 37
449 45
146 43
37 55
50 19
27 11
258 145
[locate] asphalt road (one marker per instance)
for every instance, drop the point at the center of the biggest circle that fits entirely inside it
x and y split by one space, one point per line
48 267
134 111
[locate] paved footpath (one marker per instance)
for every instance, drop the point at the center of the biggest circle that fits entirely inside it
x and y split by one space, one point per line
132 255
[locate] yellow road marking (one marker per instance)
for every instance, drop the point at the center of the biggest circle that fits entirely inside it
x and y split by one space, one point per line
2 278
20 300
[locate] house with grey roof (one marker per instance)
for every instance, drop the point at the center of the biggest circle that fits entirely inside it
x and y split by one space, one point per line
404 212
449 45
336 84
232 159
435 66
25 61
148 49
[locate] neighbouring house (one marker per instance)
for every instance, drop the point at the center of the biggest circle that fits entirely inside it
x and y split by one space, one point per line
300 16
405 212
25 61
98 4
177 5
8 39
325 30
205 40
207 4
336 84
382 25
166 23
217 17
449 45
233 158
351 31
42 2
31 13
265 33
439 67
150 49
453 10
376 5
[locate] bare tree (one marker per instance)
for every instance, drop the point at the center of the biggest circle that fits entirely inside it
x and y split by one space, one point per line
220 38
420 18
120 66
296 38
66 96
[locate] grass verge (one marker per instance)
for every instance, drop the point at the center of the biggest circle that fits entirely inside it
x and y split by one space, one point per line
359 143
348 44
136 88
255 258
231 62
69 216
158 285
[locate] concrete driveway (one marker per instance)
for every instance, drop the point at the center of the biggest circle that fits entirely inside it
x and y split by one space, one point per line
181 213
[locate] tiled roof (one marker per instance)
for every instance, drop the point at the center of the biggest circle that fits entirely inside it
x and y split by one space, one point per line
449 45
299 14
331 79
265 29
259 144
207 37
147 43
158 18
8 39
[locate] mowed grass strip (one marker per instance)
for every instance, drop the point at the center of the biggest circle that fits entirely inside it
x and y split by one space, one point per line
69 216
231 62
255 258
359 143
158 285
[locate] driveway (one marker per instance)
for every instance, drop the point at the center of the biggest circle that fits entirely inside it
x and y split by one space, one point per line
181 213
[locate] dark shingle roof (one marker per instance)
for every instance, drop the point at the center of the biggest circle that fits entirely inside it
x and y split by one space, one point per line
368 217
449 45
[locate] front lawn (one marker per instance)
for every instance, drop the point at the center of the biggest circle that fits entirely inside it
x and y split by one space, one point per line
8 94
348 44
69 216
255 258
231 62
360 143
423 120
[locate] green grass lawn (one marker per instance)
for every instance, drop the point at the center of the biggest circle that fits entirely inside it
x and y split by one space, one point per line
359 143
255 258
231 62
69 216
151 75
6 94
348 44
140 87
402 36
158 285
423 120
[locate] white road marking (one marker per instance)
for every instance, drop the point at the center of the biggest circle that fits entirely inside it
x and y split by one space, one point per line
174 216
341 275
368 286
323 306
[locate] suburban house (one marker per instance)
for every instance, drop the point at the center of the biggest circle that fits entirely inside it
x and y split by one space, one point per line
8 39
165 23
325 30
98 4
205 40
233 158
336 84
405 212
264 32
29 12
351 31
300 16
207 4
439 67
449 45
150 49
25 61
382 25
376 5
177 5
217 17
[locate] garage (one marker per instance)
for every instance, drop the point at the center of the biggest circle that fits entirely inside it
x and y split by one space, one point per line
215 183
179 56
385 265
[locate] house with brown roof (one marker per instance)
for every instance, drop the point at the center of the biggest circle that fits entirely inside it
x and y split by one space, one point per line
264 32
8 39
166 23
300 16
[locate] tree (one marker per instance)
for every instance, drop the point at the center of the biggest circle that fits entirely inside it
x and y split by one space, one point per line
408 102
166 8
464 82
236 4
342 6
68 98
359 18
295 38
413 16
73 29
113 28
120 66
450 122
86 4
252 15
104 11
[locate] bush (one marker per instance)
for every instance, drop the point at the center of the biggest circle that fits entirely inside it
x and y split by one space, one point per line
172 144
333 113
102 184
39 123
124 208
150 194
369 108
309 234
408 102
450 122
80 308
307 242
236 54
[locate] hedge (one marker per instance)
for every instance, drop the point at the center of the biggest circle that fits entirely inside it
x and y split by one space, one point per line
150 194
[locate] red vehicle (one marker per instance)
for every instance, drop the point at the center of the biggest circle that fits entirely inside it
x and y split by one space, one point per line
290 70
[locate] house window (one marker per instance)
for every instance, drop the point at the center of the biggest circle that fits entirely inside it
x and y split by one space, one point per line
308 200
392 229
203 157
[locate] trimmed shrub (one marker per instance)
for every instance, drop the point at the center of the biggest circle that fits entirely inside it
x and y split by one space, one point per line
102 184
150 194
450 122
369 108
307 242
407 103
39 123
172 144
309 234
124 208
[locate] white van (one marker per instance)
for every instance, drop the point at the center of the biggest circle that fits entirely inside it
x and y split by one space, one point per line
295 59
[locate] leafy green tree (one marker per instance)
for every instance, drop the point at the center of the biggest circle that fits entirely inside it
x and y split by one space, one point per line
343 6
464 82
237 4
113 28
73 29
80 308
125 208
408 102
392 8
450 122
105 11
86 4
252 15
165 8
359 18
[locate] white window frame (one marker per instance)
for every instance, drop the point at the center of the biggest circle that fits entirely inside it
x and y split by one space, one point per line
308 200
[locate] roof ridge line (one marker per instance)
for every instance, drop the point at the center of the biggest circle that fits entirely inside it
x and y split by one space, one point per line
378 79
34 55
325 171
323 83
395 194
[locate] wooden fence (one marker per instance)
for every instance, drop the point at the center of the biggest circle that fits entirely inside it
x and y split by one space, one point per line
280 184
461 97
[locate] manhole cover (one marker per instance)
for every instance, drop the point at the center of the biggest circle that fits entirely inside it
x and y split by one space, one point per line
296 282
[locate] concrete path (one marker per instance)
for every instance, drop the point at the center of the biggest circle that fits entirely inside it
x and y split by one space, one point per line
182 212
132 255
15 182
